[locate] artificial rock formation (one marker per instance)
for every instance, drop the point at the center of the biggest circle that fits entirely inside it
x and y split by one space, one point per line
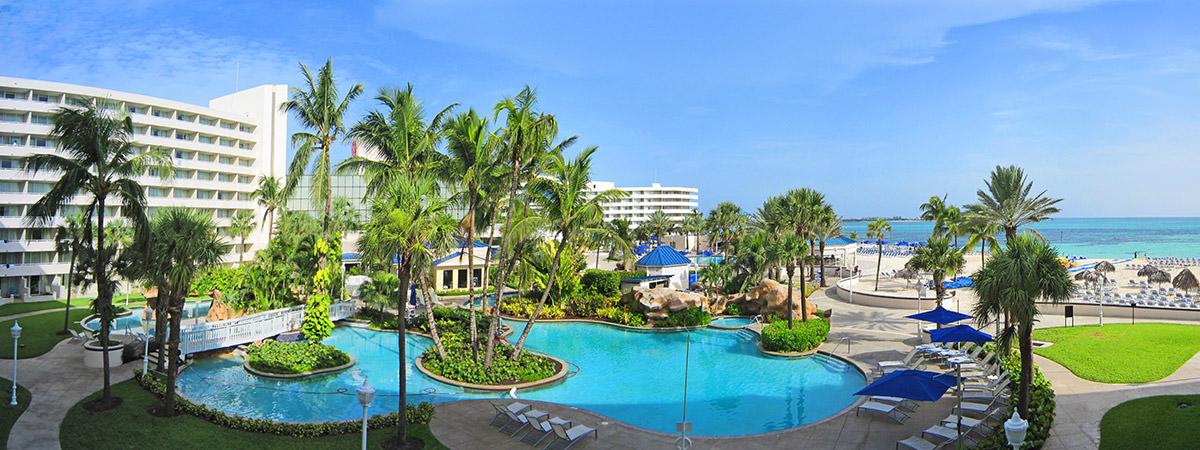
770 297
220 309
658 302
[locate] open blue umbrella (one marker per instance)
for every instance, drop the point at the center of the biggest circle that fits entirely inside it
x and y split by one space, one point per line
940 315
911 384
959 333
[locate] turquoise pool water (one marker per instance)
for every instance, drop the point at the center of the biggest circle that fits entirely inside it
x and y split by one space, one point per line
733 390
133 321
732 321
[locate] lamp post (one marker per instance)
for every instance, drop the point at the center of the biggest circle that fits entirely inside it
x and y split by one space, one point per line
366 394
16 335
147 325
1015 429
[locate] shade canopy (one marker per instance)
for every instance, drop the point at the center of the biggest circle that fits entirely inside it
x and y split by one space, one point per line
940 315
911 384
959 333
1104 267
1147 270
1089 276
959 283
1186 280
1159 277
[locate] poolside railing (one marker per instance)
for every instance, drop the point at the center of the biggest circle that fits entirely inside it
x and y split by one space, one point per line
243 330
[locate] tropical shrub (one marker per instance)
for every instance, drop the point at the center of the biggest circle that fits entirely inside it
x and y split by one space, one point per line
691 317
588 306
316 325
623 317
733 309
380 319
453 321
605 283
460 292
461 366
804 336
420 413
228 280
1041 406
523 307
287 358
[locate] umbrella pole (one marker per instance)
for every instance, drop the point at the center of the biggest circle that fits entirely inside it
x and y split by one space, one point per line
958 373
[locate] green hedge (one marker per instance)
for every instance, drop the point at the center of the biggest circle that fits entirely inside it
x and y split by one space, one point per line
225 279
287 358
454 321
460 365
459 292
733 309
420 413
1041 406
802 337
605 283
691 317
380 319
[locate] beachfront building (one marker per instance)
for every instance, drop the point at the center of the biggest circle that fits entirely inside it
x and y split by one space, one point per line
219 152
676 202
450 271
664 263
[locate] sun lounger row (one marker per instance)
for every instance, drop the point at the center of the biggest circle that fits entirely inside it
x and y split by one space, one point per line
947 432
519 416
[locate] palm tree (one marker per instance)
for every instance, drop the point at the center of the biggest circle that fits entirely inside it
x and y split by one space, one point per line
934 211
659 224
69 237
954 222
692 224
788 249
272 196
982 232
716 275
751 258
565 201
830 227
184 243
940 259
724 221
1008 204
96 157
527 135
318 108
405 218
473 161
1025 271
622 238
804 208
878 230
240 227
402 141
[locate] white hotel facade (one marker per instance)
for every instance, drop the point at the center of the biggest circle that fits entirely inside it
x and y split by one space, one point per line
676 202
220 151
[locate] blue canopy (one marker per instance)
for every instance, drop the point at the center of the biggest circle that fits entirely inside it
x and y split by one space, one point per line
959 333
911 384
706 253
959 283
663 255
939 315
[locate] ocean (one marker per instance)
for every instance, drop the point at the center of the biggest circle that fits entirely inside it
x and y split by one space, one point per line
1091 237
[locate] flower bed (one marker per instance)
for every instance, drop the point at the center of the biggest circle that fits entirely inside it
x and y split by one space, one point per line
802 337
290 358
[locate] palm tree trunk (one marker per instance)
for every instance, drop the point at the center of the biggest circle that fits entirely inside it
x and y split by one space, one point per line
401 325
983 252
271 228
545 294
470 248
1026 370
791 271
803 293
176 313
489 354
437 340
879 269
160 327
70 279
242 253
812 252
104 296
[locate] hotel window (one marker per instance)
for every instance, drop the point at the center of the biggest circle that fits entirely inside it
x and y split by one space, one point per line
39 118
152 172
183 118
39 142
447 279
159 133
225 177
207 121
180 154
10 210
184 174
182 193
225 160
38 188
228 125
206 176
12 117
9 95
158 113
244 179
10 140
245 128
243 196
222 195
204 194
245 145
157 192
227 142
206 157
208 139
224 213
183 136
10 186
134 110
9 163
245 162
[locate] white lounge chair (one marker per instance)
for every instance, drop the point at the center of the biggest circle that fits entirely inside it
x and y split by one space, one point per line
906 362
919 443
80 336
542 429
971 422
892 411
901 402
502 412
996 393
571 436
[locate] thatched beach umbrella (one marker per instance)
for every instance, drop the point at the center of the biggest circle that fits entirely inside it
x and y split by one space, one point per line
1104 267
1159 278
1147 270
1185 280
907 274
1088 276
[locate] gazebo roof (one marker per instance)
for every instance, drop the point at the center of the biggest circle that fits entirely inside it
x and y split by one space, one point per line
663 255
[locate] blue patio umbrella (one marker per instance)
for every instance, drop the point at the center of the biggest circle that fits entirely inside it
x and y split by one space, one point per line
939 315
911 384
959 333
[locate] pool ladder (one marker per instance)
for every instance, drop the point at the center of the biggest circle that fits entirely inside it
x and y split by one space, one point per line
845 340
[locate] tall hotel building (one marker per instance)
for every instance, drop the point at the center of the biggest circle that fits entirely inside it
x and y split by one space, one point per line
220 152
675 201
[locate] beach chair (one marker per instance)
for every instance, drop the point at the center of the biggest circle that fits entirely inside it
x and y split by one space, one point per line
996 414
892 411
522 418
906 362
503 411
542 428
901 402
991 383
919 443
570 436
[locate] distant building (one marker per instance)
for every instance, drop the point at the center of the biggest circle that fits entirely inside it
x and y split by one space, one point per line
219 152
676 202
664 263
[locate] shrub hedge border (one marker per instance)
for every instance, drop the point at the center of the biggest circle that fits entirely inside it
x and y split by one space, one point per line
560 375
246 365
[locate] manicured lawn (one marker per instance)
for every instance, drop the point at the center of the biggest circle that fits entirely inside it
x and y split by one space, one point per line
38 333
129 426
1121 353
1152 422
9 413
118 300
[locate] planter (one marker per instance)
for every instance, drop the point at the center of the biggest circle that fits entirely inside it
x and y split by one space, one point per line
93 354
246 365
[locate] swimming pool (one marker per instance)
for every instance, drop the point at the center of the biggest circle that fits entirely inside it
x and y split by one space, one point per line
133 321
733 389
732 321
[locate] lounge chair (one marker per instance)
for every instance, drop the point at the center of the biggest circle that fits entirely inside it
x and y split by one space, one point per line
81 336
892 411
542 429
503 411
919 443
525 419
901 402
997 413
991 383
902 363
571 436
988 395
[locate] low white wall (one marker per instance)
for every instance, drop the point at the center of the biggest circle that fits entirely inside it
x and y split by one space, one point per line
843 291
1053 314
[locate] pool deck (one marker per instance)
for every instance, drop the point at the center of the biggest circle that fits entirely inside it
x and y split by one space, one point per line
873 334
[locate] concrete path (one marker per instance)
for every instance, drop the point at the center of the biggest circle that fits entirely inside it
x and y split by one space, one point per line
57 381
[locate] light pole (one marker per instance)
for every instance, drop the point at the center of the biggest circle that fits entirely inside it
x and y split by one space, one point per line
1015 429
366 394
16 335
147 325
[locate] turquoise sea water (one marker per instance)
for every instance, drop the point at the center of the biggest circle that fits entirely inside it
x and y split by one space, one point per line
1092 237
630 376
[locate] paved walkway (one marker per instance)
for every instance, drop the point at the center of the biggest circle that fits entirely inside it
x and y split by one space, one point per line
873 334
57 381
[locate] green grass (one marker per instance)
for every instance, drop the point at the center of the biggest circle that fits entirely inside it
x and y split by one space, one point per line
38 333
1156 422
86 302
9 413
129 426
1120 353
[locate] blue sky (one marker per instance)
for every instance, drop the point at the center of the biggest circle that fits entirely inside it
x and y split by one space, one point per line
877 103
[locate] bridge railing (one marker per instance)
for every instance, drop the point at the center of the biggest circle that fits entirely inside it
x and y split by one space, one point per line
255 327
